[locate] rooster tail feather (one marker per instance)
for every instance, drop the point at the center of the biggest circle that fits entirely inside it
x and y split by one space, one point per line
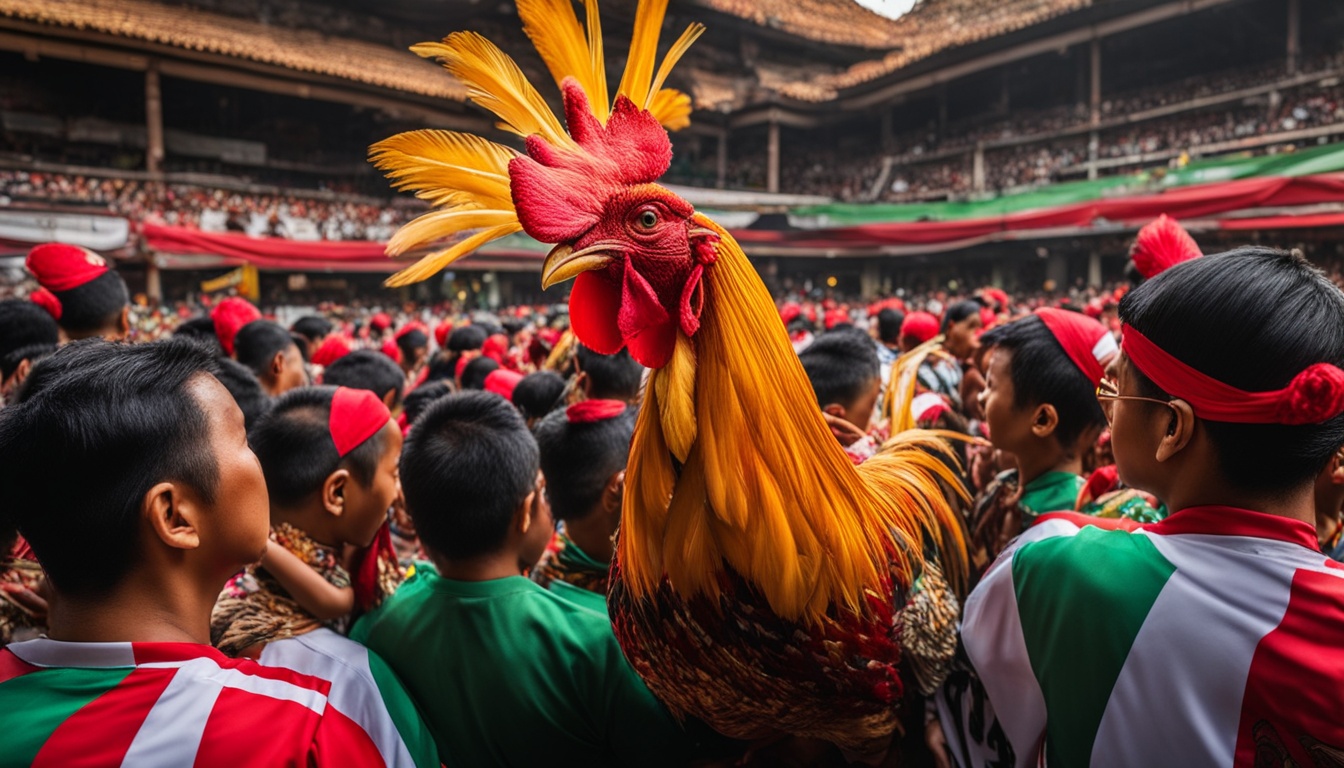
649 481
676 398
901 389
558 36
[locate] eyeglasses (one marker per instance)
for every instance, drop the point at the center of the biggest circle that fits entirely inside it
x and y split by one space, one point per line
1108 392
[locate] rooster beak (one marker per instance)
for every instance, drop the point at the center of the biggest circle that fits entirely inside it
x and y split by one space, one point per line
564 263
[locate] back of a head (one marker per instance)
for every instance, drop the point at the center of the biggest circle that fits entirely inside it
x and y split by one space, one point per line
465 468
1252 318
467 338
412 340
200 330
539 393
367 369
610 377
1043 373
889 325
258 342
473 376
840 365
27 332
579 456
91 295
294 444
246 390
312 327
96 427
420 398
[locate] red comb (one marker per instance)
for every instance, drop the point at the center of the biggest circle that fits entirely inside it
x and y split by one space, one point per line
1161 245
589 411
356 415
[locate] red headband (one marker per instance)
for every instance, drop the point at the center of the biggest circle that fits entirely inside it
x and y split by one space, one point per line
1313 396
1087 342
356 415
589 411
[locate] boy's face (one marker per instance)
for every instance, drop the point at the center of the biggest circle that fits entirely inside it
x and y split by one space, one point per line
366 508
1009 426
860 412
1137 428
237 524
293 374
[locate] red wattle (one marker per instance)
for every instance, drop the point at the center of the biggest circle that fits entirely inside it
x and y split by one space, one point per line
594 304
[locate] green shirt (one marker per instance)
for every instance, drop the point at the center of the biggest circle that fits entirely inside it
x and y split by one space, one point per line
1052 492
507 673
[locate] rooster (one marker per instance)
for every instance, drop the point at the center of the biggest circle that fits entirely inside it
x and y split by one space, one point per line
762 583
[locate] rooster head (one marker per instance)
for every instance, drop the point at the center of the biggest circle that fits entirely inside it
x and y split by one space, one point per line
635 248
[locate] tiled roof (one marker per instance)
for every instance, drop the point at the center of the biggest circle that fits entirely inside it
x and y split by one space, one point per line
194 30
842 22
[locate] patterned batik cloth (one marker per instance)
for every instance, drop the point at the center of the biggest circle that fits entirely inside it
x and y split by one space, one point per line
17 622
254 608
563 561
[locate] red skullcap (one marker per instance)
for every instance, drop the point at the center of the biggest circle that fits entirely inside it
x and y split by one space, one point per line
789 312
589 411
333 348
921 326
501 381
441 333
835 317
391 349
1161 245
1313 396
61 267
356 415
413 326
229 317
380 322
48 301
1087 342
495 347
461 366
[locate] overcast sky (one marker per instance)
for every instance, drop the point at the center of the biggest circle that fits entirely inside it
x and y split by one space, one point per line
892 8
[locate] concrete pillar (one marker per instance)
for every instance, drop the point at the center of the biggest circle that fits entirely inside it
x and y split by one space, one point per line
772 159
1294 35
1094 93
1094 269
1093 146
870 279
721 165
996 274
153 282
153 120
978 167
888 134
1057 269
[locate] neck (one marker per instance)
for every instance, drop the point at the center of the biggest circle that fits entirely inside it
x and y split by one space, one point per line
312 519
1032 467
143 608
592 534
488 567
1298 504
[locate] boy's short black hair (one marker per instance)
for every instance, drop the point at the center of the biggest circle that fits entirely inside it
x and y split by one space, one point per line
610 377
889 325
246 390
473 375
258 342
1253 318
312 327
94 305
294 445
96 426
420 398
840 365
27 332
442 366
1043 373
539 393
367 369
465 468
200 330
578 459
412 340
467 338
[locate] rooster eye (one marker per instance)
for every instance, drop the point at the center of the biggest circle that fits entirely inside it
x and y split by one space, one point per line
648 219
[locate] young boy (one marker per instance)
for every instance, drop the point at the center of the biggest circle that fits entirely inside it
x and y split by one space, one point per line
505 672
369 370
330 460
843 368
27 334
86 297
607 377
1040 405
272 355
1216 636
167 502
583 454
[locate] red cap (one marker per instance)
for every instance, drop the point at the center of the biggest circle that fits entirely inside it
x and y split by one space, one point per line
391 349
892 303
1087 342
920 326
380 322
441 333
61 267
411 326
495 347
589 411
1162 244
790 312
48 301
356 415
333 348
501 381
229 317
835 317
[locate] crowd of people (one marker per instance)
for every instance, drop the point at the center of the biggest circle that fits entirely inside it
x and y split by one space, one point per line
386 537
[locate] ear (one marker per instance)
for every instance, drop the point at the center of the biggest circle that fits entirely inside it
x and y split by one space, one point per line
21 372
613 492
1180 430
1044 420
172 518
277 365
333 492
124 322
389 397
1336 467
522 517
834 409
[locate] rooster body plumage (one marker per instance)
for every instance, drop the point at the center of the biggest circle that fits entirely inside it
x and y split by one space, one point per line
762 583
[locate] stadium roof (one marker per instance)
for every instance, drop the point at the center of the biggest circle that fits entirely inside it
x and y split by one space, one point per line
203 32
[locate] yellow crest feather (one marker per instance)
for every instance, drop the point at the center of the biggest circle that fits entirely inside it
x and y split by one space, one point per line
430 265
560 39
447 168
